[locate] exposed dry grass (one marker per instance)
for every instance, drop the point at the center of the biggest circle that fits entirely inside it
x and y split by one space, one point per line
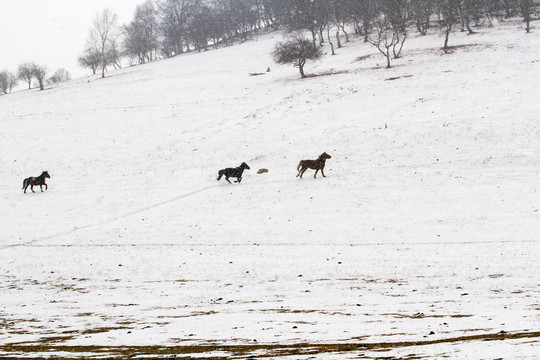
47 350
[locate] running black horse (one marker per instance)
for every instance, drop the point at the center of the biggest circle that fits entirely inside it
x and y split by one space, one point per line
233 172
35 181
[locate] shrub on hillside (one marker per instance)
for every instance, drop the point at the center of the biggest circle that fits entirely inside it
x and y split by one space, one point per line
296 51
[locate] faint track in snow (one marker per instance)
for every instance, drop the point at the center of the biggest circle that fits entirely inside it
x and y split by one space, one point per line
128 214
300 244
108 221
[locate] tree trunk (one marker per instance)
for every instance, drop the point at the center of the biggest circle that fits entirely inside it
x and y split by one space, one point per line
365 29
421 28
301 68
448 30
103 65
329 40
400 42
346 35
338 40
466 22
357 29
470 31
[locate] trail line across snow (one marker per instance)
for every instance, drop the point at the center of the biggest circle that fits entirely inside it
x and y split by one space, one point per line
108 221
299 244
128 214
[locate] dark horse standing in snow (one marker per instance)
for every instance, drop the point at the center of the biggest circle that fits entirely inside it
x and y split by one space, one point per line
233 172
35 181
316 165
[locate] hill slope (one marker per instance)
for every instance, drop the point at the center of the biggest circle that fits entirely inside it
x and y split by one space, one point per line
429 207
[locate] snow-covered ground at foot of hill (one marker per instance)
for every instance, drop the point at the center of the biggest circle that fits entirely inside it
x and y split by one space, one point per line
425 228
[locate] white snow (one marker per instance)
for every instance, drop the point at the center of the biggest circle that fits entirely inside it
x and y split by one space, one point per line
428 219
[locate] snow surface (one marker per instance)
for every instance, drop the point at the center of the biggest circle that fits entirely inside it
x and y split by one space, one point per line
425 228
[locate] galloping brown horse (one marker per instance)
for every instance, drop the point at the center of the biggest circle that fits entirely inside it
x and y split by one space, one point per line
316 165
40 180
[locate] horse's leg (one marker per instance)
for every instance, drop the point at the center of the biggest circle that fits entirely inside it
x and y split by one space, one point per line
315 175
322 172
41 187
227 178
303 171
239 179
32 187
46 187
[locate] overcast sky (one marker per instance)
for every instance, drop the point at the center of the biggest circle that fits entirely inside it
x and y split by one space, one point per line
52 33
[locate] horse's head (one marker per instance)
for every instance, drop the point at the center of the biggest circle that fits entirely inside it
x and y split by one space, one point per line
244 166
324 156
45 174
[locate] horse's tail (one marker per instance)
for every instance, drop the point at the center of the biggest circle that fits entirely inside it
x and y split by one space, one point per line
220 174
299 165
24 183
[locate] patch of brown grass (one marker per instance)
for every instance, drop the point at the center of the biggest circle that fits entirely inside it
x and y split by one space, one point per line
45 350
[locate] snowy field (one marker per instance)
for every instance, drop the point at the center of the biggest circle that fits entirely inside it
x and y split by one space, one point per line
421 242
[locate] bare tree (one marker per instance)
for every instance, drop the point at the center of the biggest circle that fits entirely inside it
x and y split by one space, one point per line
199 27
340 14
448 10
298 15
59 75
364 13
243 17
396 13
7 81
12 80
102 37
141 40
173 19
322 10
4 82
296 51
90 59
114 55
526 9
24 72
421 10
40 73
383 37
469 11
215 26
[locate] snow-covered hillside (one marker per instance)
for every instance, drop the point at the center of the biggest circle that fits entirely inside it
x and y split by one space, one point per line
423 238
